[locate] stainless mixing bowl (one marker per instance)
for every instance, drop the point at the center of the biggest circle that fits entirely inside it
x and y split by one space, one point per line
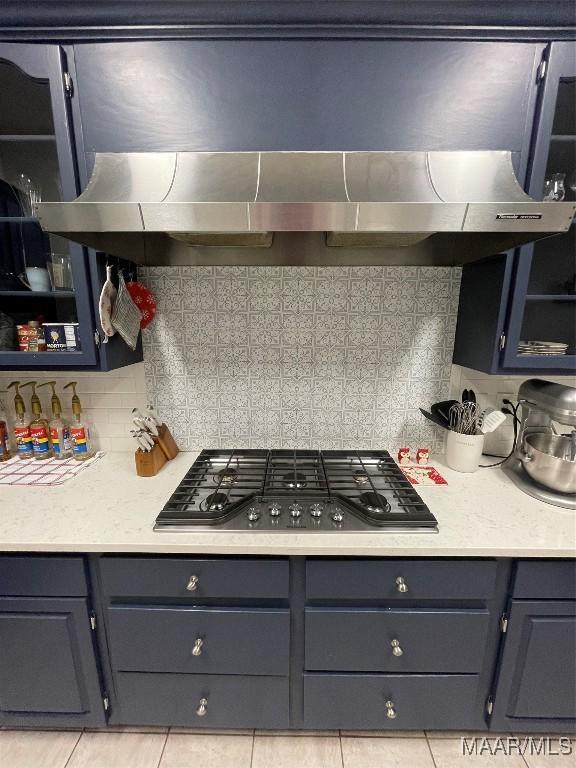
547 459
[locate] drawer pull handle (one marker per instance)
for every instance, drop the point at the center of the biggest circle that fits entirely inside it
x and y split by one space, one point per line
401 585
192 585
202 708
396 649
390 711
197 649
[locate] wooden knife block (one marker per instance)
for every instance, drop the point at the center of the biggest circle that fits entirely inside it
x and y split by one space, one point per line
166 442
149 463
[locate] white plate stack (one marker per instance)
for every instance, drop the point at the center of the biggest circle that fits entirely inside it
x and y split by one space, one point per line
542 348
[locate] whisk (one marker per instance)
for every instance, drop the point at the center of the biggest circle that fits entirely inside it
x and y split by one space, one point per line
464 418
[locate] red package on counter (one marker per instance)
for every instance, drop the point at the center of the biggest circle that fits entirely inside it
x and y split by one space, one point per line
423 476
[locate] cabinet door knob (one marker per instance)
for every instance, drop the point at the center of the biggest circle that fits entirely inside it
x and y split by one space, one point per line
396 649
202 707
197 649
401 585
192 585
390 711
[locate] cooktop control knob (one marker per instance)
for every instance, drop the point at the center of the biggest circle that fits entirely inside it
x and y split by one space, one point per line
295 510
275 510
253 514
316 510
337 516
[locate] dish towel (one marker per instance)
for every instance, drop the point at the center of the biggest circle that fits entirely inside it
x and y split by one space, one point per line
126 315
46 472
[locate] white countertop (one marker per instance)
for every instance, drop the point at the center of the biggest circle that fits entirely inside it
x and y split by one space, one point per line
108 508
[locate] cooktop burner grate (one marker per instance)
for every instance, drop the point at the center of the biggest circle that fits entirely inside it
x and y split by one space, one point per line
228 487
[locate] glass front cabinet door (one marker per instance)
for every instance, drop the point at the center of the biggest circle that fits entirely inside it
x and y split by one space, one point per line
45 306
543 303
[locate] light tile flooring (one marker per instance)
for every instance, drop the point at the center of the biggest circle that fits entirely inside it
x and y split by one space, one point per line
187 748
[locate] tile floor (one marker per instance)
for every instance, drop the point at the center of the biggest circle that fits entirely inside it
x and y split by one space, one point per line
187 748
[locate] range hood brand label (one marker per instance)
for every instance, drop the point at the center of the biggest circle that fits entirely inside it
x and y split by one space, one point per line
519 216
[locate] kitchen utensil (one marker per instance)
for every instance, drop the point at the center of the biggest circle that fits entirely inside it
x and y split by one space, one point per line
126 315
144 300
151 413
140 423
434 419
442 411
145 421
151 426
463 451
107 300
468 396
490 419
147 438
139 441
548 460
464 418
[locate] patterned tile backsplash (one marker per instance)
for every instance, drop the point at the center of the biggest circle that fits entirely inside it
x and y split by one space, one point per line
300 357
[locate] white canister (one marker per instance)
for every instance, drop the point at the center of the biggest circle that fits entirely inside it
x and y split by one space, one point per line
463 452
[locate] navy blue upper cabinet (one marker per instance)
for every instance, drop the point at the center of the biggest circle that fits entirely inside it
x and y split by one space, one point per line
37 160
543 303
306 95
530 295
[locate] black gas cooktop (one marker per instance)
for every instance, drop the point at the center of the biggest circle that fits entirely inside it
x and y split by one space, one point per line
285 490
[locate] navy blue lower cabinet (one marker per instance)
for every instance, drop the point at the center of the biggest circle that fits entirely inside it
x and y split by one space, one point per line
384 640
198 640
42 576
222 701
545 579
536 687
403 580
195 579
48 672
396 702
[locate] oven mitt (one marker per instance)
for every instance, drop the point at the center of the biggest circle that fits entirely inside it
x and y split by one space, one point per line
144 300
107 299
126 315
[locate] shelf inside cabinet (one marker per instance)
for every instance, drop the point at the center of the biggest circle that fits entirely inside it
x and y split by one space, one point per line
39 294
562 363
551 297
19 220
27 137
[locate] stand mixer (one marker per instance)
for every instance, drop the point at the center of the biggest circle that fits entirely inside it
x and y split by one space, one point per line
543 463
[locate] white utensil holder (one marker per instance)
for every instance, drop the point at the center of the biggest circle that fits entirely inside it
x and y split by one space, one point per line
463 452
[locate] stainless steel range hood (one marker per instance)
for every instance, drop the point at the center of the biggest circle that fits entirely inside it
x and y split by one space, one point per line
377 207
